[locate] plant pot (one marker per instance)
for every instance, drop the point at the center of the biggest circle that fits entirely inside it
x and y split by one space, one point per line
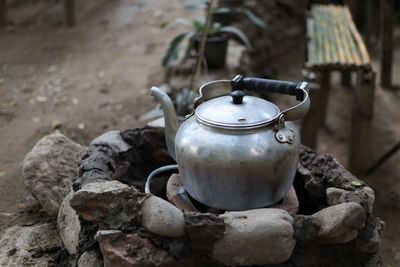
214 51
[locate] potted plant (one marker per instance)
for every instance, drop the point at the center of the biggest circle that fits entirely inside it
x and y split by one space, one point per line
216 43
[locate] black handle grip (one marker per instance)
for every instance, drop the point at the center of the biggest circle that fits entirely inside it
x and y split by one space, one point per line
266 85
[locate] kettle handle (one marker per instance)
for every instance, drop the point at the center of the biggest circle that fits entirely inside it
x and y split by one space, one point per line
300 90
224 87
266 85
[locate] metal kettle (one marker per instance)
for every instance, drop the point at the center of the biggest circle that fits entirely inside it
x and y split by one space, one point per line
236 151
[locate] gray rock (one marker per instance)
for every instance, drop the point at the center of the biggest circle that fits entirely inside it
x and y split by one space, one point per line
29 246
162 218
323 171
90 258
370 196
68 225
334 195
30 203
50 168
113 140
369 239
261 236
112 204
364 196
160 122
203 230
130 250
339 223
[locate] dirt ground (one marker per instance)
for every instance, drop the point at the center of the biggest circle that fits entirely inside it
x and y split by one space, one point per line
95 77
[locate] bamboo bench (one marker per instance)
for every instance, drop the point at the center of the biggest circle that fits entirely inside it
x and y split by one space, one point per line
334 44
68 12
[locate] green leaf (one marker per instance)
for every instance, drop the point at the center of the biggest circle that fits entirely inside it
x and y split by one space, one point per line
356 183
253 18
190 45
2 174
198 25
233 31
171 55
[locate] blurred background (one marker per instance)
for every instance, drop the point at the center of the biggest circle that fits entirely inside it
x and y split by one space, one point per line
85 67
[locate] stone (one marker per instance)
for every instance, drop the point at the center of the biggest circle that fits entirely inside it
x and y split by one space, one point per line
68 225
30 203
129 160
369 239
130 250
321 171
160 122
305 228
90 258
97 165
50 168
364 196
35 245
370 196
113 140
162 218
203 230
334 195
111 204
339 223
260 236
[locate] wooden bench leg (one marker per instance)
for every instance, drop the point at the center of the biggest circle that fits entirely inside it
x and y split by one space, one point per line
363 106
3 13
346 78
69 10
309 125
325 85
386 43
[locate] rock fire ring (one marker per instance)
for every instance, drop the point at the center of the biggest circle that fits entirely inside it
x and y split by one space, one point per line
334 226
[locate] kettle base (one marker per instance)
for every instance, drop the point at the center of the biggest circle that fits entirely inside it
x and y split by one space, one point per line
178 196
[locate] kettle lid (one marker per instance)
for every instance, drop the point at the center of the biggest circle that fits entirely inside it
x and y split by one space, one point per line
237 111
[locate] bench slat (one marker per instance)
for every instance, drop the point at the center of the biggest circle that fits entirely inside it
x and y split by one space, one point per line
333 40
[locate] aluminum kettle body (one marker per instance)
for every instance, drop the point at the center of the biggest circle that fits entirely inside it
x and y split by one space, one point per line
231 171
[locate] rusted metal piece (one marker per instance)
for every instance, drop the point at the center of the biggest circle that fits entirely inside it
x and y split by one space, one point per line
177 195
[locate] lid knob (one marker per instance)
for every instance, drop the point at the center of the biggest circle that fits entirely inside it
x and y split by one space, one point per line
237 97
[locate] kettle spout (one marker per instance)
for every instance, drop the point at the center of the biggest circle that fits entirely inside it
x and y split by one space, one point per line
170 119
